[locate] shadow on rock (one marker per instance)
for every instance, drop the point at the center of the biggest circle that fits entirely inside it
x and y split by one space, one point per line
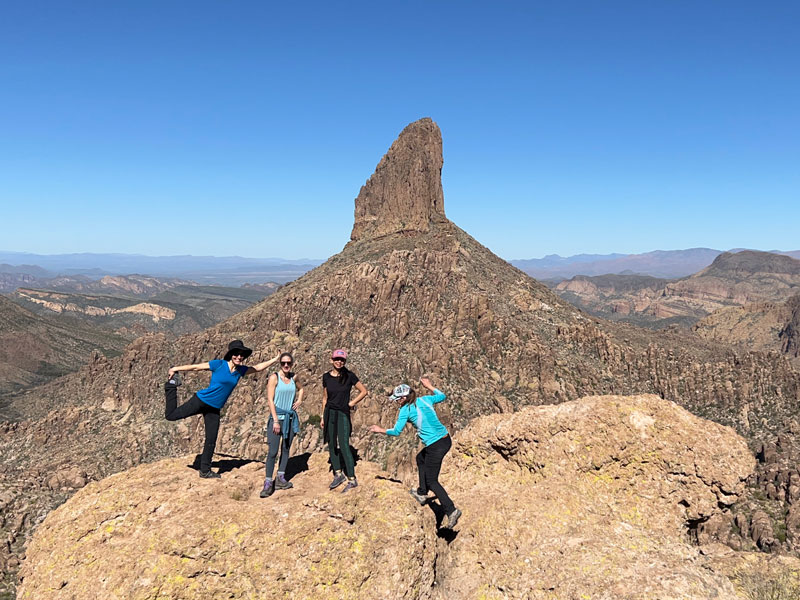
297 464
223 466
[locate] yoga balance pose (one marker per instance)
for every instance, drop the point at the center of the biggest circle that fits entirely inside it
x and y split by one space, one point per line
337 385
420 413
225 374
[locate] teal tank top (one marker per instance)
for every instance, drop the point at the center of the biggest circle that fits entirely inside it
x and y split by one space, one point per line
284 395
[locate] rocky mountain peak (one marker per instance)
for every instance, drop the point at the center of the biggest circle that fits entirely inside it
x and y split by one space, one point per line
404 194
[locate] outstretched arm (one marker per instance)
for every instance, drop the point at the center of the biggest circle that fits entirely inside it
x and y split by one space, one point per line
261 366
198 367
438 395
402 419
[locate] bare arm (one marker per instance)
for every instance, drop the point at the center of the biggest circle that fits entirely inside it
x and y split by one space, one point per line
324 402
198 367
362 393
272 383
298 399
261 366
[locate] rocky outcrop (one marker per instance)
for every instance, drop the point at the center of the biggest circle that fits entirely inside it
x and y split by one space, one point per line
765 326
733 279
587 498
59 303
405 192
790 333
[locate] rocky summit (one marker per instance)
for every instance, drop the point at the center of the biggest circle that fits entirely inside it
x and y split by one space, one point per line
405 192
410 293
590 498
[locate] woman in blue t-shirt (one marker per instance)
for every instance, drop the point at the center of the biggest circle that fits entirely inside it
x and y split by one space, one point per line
421 414
225 374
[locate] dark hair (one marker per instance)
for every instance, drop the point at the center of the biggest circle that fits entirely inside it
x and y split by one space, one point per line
412 396
344 375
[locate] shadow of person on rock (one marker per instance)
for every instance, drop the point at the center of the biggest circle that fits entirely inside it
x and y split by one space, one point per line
297 464
225 465
448 535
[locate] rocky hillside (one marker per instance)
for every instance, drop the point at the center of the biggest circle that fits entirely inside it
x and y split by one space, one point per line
410 293
178 309
733 279
766 326
591 498
36 349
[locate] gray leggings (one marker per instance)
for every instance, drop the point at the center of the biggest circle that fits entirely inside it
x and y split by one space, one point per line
275 441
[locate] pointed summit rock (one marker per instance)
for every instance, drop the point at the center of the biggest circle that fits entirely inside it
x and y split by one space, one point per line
405 191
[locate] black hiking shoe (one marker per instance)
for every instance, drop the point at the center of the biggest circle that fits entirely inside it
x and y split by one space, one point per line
452 519
282 484
337 481
175 380
209 475
418 497
269 489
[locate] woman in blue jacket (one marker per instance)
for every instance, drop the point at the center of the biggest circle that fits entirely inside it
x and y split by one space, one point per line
420 413
225 374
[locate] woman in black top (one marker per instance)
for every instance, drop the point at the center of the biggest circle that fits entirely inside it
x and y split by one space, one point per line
337 385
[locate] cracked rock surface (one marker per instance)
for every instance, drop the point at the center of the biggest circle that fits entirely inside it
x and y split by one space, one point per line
590 497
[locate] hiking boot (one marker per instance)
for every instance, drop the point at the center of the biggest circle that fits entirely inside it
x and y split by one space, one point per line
337 481
209 475
350 485
269 489
174 380
282 484
422 499
452 519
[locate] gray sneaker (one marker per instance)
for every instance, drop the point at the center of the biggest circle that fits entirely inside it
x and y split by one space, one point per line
209 475
337 481
174 380
452 519
350 485
282 484
418 497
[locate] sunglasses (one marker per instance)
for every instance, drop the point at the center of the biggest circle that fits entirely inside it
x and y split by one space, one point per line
242 354
339 358
286 363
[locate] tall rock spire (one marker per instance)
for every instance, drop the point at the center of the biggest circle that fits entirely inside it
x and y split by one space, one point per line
405 191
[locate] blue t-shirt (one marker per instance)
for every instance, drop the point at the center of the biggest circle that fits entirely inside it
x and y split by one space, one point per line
422 416
222 383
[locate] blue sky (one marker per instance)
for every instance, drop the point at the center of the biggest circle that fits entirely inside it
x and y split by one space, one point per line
247 128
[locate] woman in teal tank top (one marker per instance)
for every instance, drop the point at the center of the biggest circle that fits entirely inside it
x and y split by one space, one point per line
284 395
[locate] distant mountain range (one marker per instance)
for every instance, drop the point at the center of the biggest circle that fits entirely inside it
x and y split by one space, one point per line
219 270
21 269
659 263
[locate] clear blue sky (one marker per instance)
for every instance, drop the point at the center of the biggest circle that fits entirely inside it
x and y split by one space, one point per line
247 128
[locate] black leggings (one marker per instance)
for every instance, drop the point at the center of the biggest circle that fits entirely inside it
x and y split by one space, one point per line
195 406
429 463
